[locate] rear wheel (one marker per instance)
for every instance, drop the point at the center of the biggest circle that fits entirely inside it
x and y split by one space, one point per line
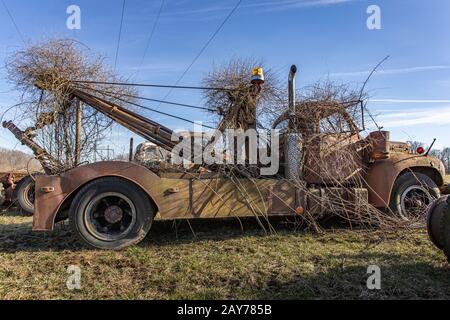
412 194
2 194
24 193
111 213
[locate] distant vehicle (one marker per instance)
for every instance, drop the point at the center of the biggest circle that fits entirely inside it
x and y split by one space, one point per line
24 190
148 153
7 185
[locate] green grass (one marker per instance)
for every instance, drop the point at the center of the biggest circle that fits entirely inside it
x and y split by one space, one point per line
221 262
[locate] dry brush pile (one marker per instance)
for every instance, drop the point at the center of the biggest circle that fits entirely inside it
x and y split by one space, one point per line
329 123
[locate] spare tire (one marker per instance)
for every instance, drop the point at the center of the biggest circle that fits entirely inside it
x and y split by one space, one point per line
445 229
435 221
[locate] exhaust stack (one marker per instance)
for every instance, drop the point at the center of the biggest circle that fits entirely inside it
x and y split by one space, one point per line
292 156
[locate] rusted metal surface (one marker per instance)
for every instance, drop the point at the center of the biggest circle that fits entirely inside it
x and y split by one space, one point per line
150 130
382 174
326 163
8 182
50 164
146 128
343 199
380 144
208 195
182 198
377 160
48 204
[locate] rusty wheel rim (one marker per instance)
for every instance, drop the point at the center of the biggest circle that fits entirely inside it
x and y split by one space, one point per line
414 202
110 216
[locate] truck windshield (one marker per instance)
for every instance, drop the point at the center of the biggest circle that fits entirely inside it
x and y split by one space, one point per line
341 122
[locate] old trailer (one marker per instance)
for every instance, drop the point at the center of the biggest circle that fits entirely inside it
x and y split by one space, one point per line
24 190
111 205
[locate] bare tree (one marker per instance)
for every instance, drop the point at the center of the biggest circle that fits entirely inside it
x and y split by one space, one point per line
444 156
45 74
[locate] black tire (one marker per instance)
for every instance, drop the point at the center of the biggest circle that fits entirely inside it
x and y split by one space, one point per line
412 194
435 221
445 230
2 194
24 193
111 214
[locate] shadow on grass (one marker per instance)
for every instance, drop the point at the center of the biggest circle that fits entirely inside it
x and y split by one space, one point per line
334 273
399 280
13 212
188 231
18 237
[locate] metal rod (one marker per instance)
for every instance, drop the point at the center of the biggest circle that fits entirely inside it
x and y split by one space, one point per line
140 125
292 156
151 85
49 164
291 92
78 133
130 158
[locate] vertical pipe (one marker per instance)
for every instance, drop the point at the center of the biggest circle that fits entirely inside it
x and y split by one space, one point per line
292 167
78 133
95 151
291 93
130 158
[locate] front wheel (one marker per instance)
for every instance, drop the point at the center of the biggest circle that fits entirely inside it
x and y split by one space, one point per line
412 195
111 214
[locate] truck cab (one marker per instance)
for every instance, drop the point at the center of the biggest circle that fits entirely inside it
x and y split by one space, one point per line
396 178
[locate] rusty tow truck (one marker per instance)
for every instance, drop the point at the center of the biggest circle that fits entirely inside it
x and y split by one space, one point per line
111 205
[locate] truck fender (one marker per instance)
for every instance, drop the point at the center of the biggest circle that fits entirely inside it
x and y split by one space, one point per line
54 193
382 175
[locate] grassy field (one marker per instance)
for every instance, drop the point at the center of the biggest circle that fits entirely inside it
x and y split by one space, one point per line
220 262
447 179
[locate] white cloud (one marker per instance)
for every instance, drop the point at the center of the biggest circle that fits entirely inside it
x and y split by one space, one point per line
391 71
407 101
286 5
443 83
260 6
412 117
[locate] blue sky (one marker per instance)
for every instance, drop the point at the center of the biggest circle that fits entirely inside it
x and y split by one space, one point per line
410 94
